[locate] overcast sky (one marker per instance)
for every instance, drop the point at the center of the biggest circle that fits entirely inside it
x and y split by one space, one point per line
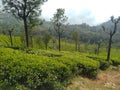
92 12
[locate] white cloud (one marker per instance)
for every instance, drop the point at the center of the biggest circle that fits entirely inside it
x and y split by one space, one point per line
83 11
80 11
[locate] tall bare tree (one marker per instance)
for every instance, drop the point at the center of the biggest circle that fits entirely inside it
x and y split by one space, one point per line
111 33
23 9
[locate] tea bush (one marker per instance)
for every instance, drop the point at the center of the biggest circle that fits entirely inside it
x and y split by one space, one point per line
32 71
43 70
103 63
116 61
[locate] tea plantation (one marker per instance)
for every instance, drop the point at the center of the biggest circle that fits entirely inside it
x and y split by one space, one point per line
46 70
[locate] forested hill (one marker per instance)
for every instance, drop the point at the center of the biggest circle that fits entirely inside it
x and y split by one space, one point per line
87 33
8 22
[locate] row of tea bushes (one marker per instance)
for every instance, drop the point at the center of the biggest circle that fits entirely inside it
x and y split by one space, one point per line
32 71
104 64
83 65
77 62
38 72
116 61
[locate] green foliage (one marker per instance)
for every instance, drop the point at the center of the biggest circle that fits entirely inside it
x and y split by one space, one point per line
103 63
17 8
59 17
48 72
115 57
30 70
78 64
90 67
116 62
59 20
28 11
76 37
46 39
5 41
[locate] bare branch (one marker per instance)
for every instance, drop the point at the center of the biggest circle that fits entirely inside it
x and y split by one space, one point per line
104 29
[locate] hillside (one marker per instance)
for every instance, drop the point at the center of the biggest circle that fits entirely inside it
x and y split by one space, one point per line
38 69
8 22
65 53
90 34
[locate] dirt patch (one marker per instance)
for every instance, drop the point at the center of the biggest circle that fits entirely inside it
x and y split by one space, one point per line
106 80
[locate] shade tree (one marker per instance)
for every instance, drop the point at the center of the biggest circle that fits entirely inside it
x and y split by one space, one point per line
111 33
58 21
23 9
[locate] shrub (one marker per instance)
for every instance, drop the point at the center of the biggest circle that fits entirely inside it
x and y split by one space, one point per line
89 68
115 62
82 65
32 71
38 72
103 63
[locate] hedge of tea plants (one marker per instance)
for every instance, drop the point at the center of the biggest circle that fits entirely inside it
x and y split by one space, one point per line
42 70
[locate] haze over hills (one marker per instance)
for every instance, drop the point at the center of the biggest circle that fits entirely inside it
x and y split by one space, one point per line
87 33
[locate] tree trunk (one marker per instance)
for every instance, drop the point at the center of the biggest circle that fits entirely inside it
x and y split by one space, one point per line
59 42
76 46
26 32
46 46
109 48
25 23
98 49
52 45
31 41
10 33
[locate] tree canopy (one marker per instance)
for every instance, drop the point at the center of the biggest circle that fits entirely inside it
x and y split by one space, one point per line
25 10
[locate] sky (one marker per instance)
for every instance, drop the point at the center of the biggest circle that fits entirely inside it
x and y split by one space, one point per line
92 12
